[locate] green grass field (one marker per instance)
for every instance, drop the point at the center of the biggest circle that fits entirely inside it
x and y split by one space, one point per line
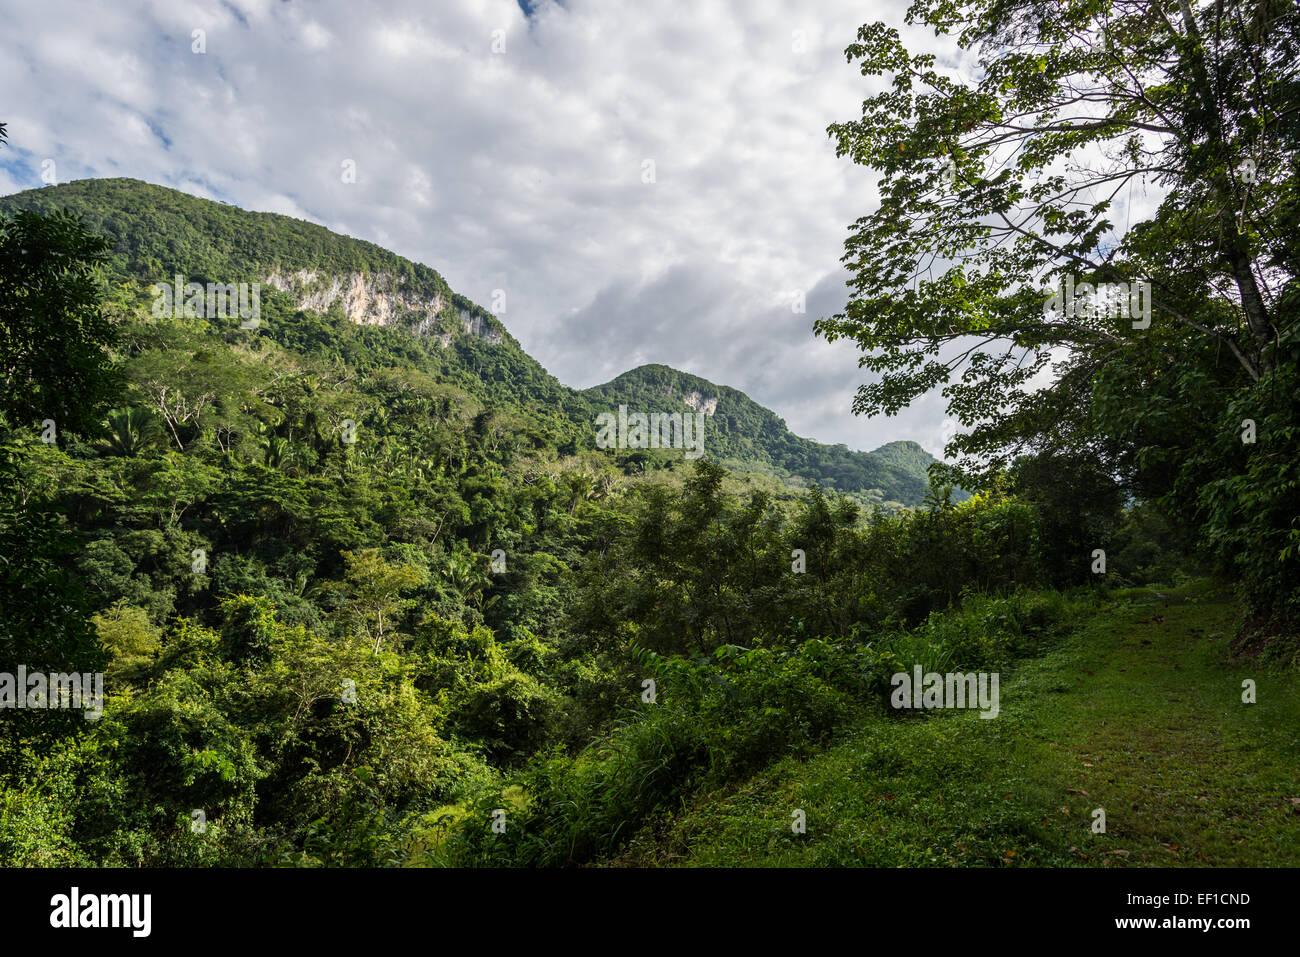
1138 711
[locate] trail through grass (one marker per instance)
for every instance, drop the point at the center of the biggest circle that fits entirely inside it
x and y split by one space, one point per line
1138 712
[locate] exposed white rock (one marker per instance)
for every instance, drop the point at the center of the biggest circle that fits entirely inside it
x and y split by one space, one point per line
700 404
375 299
478 326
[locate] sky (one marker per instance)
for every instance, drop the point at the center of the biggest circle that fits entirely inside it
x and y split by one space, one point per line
644 181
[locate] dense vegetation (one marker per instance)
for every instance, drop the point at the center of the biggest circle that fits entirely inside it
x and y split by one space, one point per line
999 192
338 575
368 594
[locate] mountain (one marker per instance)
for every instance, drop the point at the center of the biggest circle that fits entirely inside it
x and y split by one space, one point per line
323 294
328 295
742 434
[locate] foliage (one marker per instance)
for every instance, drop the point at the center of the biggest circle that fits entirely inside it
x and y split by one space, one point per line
1001 196
54 339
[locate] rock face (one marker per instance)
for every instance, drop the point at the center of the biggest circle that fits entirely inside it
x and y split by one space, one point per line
377 300
700 404
478 326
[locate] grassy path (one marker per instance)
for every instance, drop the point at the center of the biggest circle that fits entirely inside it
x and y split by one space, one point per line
1138 712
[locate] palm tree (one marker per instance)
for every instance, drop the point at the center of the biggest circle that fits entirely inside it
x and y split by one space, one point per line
278 453
468 579
130 432
583 487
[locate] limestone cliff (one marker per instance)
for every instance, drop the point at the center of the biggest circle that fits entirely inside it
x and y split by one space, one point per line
379 299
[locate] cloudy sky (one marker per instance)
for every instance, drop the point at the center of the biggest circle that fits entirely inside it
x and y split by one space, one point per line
508 145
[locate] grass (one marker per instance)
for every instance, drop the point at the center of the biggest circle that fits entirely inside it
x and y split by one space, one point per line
1139 712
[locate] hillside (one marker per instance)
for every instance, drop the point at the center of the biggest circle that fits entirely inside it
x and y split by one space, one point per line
157 233
742 433
325 294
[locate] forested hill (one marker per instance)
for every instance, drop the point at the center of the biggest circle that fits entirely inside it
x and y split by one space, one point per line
366 293
742 433
157 233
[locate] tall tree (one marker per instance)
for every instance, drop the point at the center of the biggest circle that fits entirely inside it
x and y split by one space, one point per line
54 336
998 190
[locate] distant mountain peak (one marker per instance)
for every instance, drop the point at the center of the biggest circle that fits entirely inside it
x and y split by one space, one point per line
746 434
903 444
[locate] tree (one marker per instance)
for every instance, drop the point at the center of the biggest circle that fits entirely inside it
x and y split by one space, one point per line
127 635
997 259
43 608
195 388
130 432
372 589
994 185
54 336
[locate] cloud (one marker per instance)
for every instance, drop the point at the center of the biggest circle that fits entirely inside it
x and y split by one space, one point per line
522 170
